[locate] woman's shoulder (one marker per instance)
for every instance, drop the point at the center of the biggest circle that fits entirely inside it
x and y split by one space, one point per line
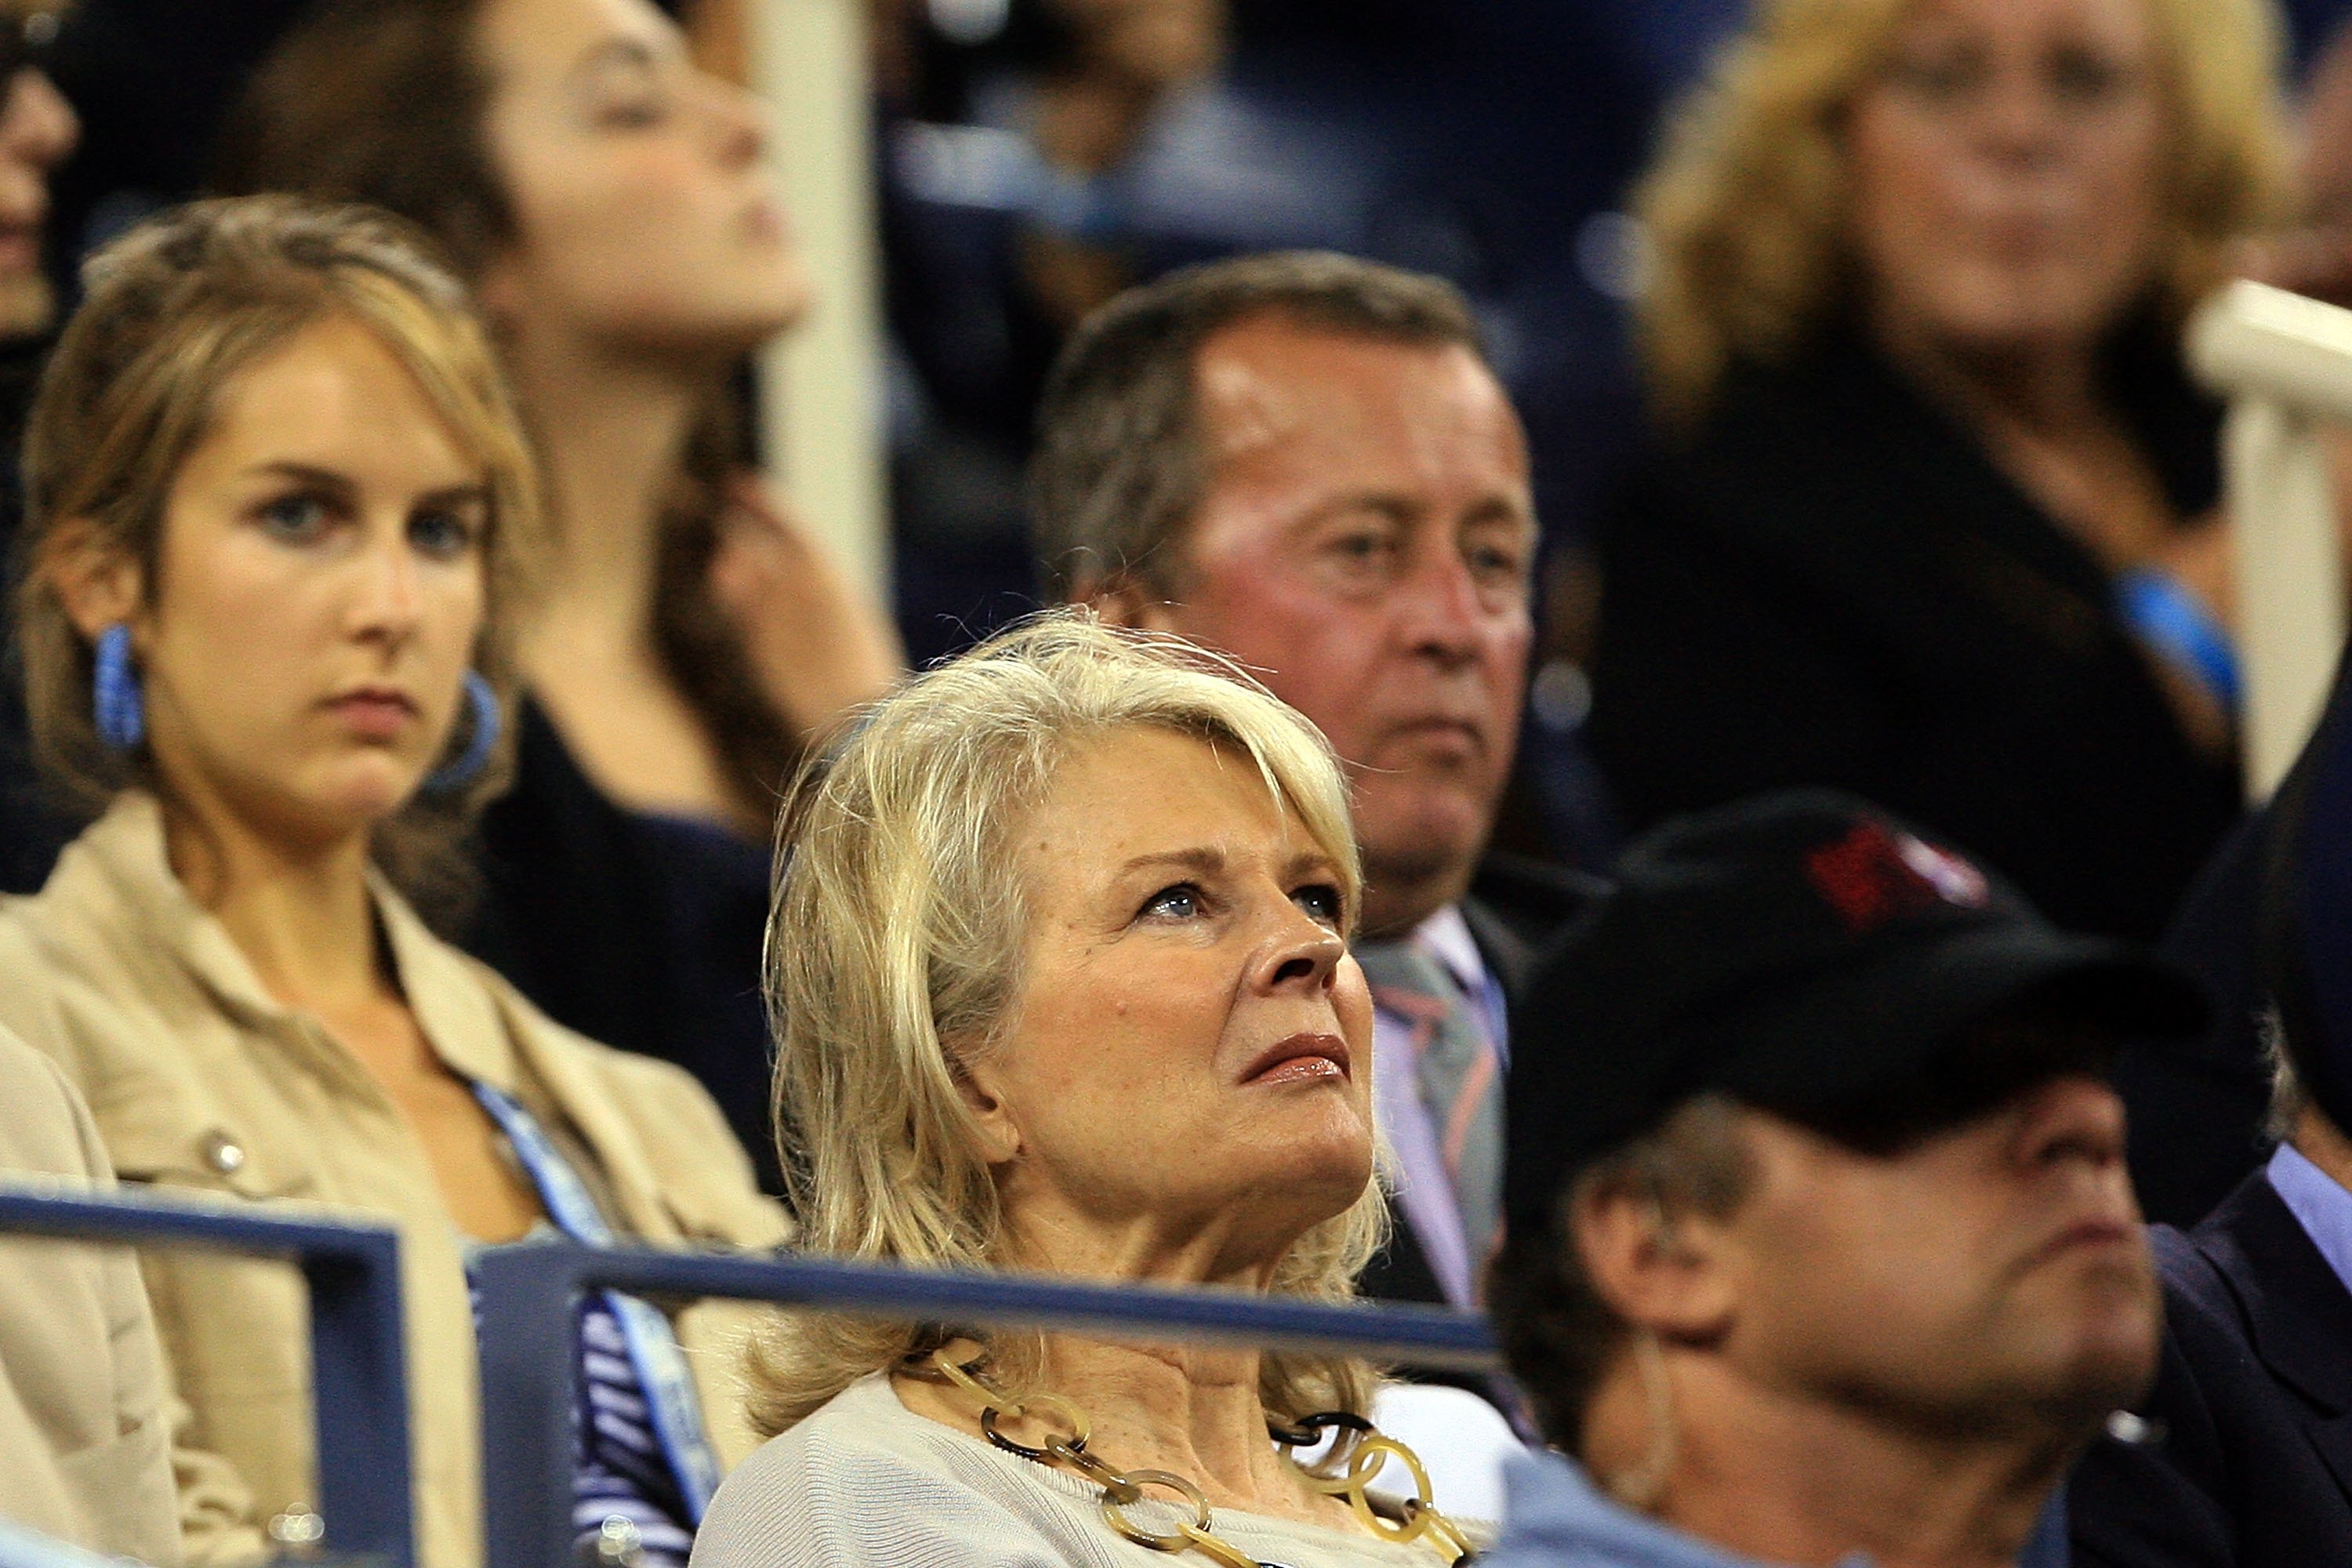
863 1480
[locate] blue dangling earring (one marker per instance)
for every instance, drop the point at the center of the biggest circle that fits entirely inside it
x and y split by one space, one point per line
485 722
119 709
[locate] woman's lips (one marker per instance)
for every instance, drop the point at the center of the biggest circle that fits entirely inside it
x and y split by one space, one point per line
1301 1058
375 715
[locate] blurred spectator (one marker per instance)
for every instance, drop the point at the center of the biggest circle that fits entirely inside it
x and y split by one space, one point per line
1821 1248
1061 959
2198 1112
611 203
1009 215
1304 462
38 130
278 510
1931 511
85 1448
2257 1372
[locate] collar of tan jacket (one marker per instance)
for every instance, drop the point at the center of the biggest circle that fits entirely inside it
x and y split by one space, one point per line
121 862
117 876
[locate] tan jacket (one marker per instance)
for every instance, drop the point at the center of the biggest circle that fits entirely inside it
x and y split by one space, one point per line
199 1079
84 1451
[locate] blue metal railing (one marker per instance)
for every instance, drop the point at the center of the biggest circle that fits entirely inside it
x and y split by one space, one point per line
530 1364
359 1358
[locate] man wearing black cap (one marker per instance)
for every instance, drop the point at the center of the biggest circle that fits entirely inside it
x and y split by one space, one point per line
1820 1241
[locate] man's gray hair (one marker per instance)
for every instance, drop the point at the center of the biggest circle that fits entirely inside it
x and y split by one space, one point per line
1118 470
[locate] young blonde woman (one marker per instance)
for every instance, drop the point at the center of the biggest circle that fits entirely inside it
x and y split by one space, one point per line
1931 513
277 506
613 207
1062 969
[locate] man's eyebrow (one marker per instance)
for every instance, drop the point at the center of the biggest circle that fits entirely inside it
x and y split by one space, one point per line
1389 504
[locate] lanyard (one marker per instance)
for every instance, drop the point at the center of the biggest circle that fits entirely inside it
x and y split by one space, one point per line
654 1352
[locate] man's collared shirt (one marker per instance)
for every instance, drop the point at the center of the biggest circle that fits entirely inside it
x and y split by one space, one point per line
2319 1204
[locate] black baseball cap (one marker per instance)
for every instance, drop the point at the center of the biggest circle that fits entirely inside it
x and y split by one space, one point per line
1808 954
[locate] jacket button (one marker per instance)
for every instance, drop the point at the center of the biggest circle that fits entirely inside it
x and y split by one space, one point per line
224 1153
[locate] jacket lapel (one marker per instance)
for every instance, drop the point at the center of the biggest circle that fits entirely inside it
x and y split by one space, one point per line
2298 1313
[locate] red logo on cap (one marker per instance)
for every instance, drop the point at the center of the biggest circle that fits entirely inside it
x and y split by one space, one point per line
1871 876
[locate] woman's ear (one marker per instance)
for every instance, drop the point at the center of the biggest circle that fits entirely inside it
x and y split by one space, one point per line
97 585
991 1114
499 290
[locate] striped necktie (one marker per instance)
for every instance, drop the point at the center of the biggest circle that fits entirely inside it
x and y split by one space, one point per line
1455 1071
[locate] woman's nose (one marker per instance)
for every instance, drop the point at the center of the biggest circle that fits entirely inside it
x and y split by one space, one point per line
739 121
37 125
386 606
1304 954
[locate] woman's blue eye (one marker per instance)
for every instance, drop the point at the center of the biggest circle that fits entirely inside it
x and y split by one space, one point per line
1322 903
441 534
1181 902
295 517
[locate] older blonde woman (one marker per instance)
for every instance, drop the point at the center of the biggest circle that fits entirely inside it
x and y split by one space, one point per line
278 510
1061 955
1930 514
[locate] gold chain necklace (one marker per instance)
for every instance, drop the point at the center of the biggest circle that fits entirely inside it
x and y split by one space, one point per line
1123 1489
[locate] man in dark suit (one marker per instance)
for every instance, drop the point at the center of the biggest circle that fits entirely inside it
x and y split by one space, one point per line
2253 1403
1304 462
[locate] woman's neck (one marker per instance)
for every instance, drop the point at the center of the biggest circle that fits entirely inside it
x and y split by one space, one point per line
2049 388
1195 1411
300 912
611 435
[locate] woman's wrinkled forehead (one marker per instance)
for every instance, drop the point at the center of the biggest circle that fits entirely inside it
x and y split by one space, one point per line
1043 790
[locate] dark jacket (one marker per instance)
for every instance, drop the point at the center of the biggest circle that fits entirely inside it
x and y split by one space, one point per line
1829 583
1516 907
639 931
2255 1469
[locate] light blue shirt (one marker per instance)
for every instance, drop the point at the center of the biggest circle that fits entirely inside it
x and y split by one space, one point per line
1556 1517
2322 1208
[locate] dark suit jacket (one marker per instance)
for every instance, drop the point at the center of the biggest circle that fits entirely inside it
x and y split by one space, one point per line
2255 1395
1515 908
1829 583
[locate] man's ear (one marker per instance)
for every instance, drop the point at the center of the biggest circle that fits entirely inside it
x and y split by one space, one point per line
992 1113
1677 1275
96 586
1123 601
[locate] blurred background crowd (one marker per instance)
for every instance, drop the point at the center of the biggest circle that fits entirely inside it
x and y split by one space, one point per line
1820 418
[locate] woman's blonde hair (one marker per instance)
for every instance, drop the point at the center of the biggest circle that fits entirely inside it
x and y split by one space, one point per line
1746 206
895 951
172 313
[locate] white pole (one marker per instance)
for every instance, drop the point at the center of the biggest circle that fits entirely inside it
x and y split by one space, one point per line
2285 362
820 384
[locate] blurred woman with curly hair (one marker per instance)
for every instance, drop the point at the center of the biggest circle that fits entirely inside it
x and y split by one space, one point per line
1931 509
